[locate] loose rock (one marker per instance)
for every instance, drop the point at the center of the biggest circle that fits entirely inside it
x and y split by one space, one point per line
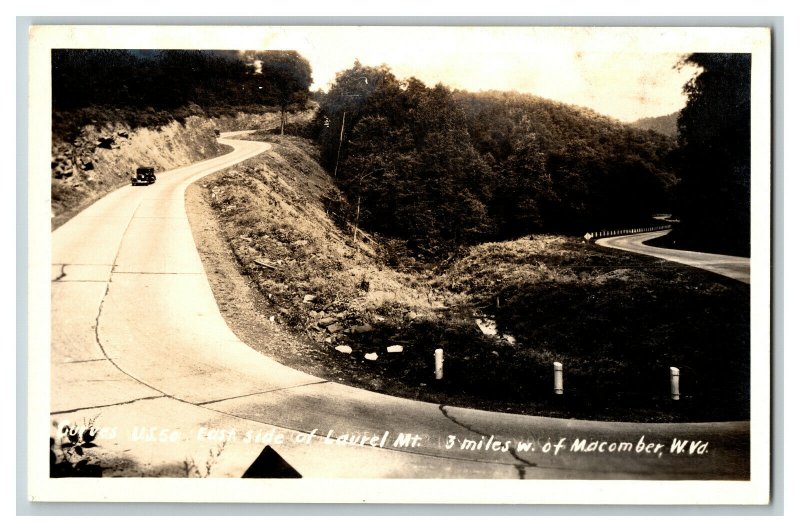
105 142
346 349
394 349
308 298
360 329
371 356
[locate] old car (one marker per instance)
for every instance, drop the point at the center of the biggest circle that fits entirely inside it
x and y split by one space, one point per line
145 175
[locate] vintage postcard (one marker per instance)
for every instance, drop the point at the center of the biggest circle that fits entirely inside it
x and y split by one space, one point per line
509 265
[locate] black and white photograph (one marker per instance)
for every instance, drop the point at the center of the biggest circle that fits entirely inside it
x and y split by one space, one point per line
368 263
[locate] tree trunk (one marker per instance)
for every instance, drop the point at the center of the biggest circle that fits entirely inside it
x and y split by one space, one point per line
355 227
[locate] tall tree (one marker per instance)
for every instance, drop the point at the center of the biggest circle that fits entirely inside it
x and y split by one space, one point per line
287 76
713 197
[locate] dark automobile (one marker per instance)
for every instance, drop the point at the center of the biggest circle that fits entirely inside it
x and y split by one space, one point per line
145 175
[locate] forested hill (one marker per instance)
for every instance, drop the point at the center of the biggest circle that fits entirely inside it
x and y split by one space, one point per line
439 168
601 172
150 88
666 125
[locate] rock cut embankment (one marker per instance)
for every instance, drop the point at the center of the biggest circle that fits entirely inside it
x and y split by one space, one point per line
102 157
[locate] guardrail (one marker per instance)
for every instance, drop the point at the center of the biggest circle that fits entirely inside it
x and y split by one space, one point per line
620 232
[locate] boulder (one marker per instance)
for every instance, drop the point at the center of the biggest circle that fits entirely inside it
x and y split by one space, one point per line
371 356
394 349
308 298
345 349
360 329
324 322
335 328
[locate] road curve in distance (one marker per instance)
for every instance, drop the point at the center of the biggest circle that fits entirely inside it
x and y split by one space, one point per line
734 267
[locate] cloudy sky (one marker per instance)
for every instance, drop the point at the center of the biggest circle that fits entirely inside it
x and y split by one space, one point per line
624 74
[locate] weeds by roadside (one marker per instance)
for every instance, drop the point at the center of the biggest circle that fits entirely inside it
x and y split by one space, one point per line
68 456
192 470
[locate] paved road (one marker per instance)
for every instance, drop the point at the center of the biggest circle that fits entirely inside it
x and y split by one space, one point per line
138 342
734 267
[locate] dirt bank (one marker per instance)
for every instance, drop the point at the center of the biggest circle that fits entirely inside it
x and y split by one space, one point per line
103 156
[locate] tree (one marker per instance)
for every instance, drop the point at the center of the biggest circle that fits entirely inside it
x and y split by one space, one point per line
358 92
402 154
286 76
524 189
713 157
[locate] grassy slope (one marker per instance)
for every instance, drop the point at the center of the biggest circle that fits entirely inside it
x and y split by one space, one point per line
616 321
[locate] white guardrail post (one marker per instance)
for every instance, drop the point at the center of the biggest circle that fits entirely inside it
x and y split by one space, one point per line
558 378
674 383
438 359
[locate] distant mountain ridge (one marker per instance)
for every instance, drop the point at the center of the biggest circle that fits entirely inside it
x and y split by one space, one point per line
666 125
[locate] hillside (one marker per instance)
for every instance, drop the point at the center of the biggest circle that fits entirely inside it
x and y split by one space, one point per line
102 156
439 168
503 312
157 108
666 125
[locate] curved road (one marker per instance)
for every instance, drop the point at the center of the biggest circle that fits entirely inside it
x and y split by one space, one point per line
139 344
734 267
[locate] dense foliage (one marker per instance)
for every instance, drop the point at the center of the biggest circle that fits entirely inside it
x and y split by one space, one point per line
154 81
440 168
713 200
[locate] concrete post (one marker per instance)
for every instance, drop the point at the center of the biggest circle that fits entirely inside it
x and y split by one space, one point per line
438 357
674 381
558 378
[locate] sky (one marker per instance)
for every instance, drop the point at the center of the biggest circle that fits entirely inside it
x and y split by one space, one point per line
624 74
